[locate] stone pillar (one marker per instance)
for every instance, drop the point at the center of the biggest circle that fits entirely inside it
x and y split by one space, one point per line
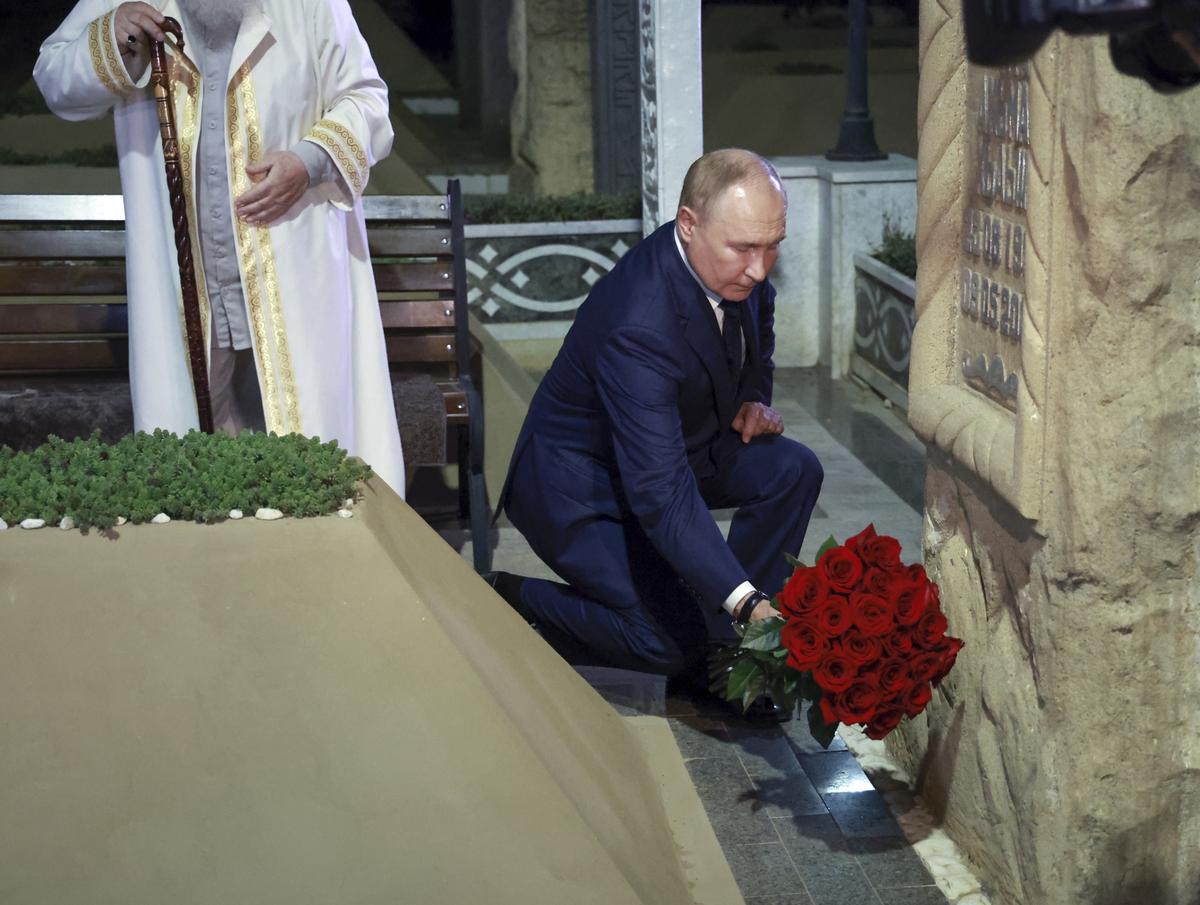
616 96
672 108
485 74
1056 379
552 111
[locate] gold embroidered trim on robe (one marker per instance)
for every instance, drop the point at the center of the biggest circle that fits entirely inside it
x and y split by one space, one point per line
94 42
345 149
258 268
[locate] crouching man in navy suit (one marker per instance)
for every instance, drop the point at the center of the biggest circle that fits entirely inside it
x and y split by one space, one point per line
656 410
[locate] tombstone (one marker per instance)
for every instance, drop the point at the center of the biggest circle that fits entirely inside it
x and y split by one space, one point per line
1056 379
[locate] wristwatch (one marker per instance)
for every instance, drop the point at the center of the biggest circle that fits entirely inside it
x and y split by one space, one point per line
745 609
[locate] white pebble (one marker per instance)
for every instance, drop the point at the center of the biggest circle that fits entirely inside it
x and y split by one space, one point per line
348 503
67 523
268 515
236 514
31 523
3 525
121 520
345 513
161 519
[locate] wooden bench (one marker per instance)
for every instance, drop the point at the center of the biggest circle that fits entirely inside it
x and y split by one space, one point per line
64 330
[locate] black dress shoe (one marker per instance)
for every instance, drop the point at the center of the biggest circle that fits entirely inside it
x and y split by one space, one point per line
508 586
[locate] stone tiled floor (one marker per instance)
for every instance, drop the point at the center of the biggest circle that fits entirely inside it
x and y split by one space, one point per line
799 825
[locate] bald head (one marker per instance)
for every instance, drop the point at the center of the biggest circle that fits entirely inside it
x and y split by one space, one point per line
711 175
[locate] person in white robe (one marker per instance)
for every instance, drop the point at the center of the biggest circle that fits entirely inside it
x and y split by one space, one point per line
281 114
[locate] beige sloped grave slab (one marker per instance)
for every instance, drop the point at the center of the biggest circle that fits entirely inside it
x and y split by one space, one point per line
315 711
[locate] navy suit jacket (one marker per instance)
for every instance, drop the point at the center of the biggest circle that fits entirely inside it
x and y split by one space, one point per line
635 412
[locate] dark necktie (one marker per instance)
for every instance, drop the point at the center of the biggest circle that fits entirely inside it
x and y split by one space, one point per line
731 335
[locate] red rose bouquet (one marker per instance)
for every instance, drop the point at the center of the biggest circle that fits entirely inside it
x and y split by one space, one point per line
862 636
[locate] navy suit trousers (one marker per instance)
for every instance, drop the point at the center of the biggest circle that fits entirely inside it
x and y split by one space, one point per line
626 606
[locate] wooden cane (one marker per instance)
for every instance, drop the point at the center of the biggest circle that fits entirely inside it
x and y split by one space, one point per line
194 330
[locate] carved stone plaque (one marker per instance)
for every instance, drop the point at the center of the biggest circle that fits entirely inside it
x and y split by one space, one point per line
995 227
977 383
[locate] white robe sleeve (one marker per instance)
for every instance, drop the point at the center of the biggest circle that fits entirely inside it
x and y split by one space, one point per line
79 69
354 128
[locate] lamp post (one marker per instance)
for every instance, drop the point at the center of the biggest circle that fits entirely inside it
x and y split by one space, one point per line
856 139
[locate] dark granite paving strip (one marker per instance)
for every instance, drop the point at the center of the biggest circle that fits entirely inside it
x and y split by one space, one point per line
731 801
778 900
701 736
890 864
783 787
864 815
835 771
857 419
765 870
831 873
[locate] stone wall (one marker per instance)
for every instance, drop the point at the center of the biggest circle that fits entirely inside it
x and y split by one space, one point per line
1063 503
550 51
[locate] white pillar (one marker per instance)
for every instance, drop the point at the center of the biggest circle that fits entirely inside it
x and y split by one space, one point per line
672 104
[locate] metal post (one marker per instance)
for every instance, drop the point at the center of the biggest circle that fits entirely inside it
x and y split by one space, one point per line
856 140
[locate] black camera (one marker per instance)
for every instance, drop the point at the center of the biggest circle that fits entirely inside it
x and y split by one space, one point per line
1148 39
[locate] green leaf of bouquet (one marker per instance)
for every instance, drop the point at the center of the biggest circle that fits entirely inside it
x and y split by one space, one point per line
780 654
754 687
762 635
740 677
794 562
821 731
830 543
808 688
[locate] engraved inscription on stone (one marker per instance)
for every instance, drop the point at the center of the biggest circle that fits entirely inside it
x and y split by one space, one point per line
991 304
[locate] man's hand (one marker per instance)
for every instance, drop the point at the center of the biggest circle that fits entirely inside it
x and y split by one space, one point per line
755 419
281 178
143 23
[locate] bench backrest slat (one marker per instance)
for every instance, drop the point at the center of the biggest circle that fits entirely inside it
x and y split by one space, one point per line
23 244
53 355
64 278
80 318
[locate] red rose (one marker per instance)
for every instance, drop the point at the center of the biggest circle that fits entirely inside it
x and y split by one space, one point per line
925 666
882 552
842 568
910 601
872 614
858 703
878 582
835 672
930 630
918 697
860 649
867 533
803 591
914 573
805 644
894 676
834 617
898 644
883 723
949 653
